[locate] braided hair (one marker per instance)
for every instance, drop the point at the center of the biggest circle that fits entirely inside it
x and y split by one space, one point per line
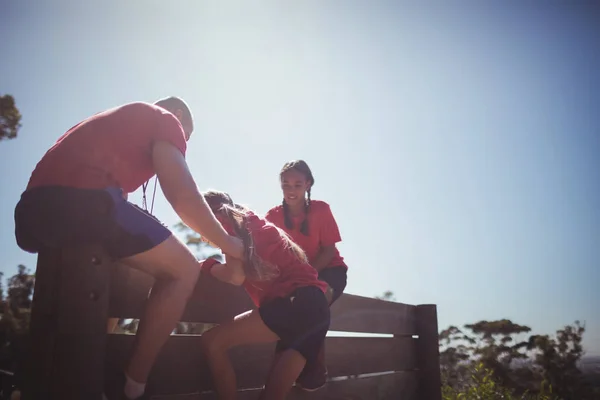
302 167
255 267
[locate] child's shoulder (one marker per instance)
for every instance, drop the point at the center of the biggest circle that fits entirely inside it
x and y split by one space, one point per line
264 231
275 215
275 210
319 205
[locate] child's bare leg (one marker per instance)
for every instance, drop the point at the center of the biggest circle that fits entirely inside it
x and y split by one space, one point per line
217 341
288 366
274 362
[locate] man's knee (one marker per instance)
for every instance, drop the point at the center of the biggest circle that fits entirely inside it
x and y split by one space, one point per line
188 277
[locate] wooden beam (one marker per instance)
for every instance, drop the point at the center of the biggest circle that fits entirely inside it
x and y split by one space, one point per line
215 302
68 325
129 289
351 313
212 300
181 366
394 386
428 355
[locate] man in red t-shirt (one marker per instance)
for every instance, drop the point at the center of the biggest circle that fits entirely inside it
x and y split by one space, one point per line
77 195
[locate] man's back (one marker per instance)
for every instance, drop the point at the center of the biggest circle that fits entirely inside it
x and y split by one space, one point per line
111 148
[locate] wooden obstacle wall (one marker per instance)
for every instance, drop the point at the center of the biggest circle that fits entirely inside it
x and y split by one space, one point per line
182 370
404 365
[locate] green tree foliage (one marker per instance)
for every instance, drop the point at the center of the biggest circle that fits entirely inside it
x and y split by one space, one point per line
16 305
558 360
193 240
501 360
15 312
525 367
10 118
484 386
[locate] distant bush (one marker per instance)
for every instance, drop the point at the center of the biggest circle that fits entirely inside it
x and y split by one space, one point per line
483 386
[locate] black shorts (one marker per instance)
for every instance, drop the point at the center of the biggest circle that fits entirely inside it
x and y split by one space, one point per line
301 320
336 278
53 217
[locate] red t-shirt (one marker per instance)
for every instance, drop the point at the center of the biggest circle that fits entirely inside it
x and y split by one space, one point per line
293 273
322 230
111 148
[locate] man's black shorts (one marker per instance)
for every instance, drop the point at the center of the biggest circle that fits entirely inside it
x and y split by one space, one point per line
56 216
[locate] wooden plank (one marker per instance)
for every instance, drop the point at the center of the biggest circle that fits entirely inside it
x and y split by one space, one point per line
344 356
215 301
351 313
430 381
395 386
181 366
129 289
212 300
42 328
71 325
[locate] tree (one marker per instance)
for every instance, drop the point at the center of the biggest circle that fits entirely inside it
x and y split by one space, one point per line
10 118
16 306
388 295
15 312
522 366
558 358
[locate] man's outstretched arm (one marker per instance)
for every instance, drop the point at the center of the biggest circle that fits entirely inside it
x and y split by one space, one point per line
182 193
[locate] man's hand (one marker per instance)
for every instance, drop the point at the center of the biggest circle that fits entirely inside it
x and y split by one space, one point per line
235 248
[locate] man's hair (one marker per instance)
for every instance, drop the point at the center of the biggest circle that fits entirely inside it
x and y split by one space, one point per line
173 104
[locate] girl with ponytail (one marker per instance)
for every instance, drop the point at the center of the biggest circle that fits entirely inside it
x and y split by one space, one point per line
292 307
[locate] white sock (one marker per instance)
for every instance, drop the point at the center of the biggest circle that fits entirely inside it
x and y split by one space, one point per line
133 389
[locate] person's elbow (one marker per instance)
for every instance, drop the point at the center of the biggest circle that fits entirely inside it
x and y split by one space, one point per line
227 274
232 276
237 279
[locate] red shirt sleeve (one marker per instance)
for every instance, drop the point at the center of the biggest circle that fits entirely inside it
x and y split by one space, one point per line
274 216
207 264
329 232
169 129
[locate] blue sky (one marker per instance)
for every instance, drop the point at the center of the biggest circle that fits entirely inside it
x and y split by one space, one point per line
457 146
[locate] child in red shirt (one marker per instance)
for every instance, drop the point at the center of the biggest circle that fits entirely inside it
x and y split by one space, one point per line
312 226
293 309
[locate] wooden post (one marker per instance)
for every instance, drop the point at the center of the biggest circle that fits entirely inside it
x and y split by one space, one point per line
68 325
428 353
